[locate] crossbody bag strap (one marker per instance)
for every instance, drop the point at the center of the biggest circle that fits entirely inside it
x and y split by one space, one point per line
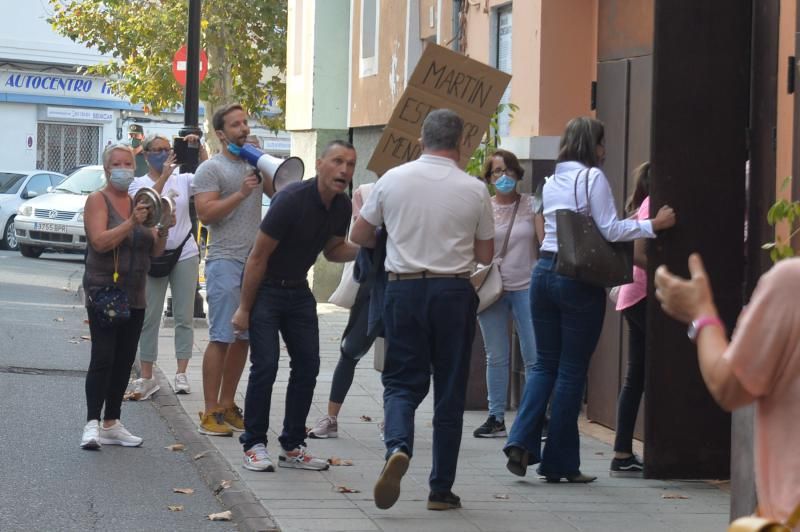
510 226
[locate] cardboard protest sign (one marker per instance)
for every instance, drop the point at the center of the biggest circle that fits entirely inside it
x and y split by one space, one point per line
441 79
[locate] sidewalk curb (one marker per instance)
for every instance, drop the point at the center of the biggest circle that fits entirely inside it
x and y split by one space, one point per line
249 514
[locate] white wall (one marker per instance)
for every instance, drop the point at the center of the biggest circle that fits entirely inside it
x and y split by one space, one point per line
14 154
25 35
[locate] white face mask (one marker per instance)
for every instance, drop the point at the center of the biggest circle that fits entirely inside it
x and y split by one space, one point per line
121 178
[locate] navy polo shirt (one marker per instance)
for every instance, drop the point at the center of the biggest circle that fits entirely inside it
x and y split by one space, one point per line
298 219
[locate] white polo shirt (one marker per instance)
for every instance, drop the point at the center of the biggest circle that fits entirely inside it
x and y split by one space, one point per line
433 213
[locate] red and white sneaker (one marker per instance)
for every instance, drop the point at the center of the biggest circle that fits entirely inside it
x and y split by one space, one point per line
299 458
257 459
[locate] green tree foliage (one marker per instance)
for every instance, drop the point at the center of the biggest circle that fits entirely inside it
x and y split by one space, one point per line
783 211
242 38
490 141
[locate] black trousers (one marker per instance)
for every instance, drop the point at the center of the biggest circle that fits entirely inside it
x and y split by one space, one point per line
113 353
631 394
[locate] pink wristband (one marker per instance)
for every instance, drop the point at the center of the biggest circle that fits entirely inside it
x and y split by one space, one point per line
697 325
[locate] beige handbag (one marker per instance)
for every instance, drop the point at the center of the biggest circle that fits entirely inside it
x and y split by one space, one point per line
487 281
753 523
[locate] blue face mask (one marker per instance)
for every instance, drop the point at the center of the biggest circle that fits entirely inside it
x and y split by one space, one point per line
505 184
234 149
157 160
121 178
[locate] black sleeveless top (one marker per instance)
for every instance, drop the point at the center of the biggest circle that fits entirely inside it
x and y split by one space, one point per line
99 269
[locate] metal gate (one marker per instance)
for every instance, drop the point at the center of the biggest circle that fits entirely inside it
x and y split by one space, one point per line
63 147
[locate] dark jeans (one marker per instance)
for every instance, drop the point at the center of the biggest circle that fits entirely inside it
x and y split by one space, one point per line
113 353
430 326
567 320
355 344
631 394
292 312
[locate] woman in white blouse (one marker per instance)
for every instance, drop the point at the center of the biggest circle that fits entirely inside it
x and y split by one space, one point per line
504 172
568 314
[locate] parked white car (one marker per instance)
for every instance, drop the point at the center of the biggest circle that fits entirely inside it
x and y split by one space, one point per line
54 221
15 189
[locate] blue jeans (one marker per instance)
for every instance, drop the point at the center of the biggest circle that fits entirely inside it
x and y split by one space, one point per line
497 342
567 318
292 312
430 327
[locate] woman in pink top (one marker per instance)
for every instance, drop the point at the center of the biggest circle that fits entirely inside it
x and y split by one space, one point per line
632 301
760 365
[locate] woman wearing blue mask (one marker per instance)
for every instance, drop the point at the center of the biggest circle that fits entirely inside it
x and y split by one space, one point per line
181 277
118 254
503 173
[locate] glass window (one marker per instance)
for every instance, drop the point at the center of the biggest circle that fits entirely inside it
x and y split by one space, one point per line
370 14
84 181
38 184
10 182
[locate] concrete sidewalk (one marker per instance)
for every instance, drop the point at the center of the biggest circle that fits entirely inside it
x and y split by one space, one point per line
493 499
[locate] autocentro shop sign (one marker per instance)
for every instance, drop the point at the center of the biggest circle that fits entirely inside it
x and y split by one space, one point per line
54 84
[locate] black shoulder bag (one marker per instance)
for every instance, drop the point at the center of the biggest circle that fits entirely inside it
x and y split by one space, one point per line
162 265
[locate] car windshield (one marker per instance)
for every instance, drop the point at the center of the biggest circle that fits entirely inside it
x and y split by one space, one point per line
10 182
84 181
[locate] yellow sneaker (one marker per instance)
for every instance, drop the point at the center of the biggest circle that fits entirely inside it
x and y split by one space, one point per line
233 417
213 424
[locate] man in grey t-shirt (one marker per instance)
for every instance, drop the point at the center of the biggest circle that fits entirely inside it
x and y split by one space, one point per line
228 201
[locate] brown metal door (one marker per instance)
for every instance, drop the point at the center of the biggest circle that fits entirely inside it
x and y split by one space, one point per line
612 108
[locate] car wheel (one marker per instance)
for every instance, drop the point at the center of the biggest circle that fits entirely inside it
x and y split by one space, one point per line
30 251
10 236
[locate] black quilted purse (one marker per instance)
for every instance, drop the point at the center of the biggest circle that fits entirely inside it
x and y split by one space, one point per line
583 252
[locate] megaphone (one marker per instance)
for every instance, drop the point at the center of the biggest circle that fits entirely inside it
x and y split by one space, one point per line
281 171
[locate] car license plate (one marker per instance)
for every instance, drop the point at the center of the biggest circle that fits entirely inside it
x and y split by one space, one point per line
50 228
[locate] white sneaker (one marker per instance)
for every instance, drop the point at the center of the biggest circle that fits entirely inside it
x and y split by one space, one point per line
326 427
182 383
91 436
144 388
299 458
257 459
116 434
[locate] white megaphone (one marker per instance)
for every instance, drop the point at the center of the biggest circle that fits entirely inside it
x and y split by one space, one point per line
281 171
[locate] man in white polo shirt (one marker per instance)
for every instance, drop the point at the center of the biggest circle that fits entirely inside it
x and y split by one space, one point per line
439 222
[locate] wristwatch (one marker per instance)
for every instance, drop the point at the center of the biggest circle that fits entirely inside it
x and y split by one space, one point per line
697 325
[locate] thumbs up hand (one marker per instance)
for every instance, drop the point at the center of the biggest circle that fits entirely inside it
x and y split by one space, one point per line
685 299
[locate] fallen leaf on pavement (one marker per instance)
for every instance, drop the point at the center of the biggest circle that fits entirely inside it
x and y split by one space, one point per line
674 496
58 319
223 485
336 461
176 447
345 489
74 341
221 516
599 453
85 337
176 508
185 491
129 396
366 418
200 455
86 322
501 496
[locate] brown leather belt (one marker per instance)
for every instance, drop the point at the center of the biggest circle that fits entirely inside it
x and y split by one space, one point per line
427 275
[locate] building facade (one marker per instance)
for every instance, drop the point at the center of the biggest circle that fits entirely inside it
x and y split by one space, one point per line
55 118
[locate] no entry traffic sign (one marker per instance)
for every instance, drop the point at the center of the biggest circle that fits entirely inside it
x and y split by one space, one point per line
179 65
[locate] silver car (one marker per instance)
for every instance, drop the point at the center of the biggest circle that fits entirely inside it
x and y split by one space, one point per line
15 189
54 221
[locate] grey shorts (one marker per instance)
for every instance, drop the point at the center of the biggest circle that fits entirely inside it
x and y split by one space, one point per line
223 287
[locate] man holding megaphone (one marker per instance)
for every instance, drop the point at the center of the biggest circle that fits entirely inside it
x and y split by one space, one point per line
228 201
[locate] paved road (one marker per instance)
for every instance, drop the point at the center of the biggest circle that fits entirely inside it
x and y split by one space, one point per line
48 482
